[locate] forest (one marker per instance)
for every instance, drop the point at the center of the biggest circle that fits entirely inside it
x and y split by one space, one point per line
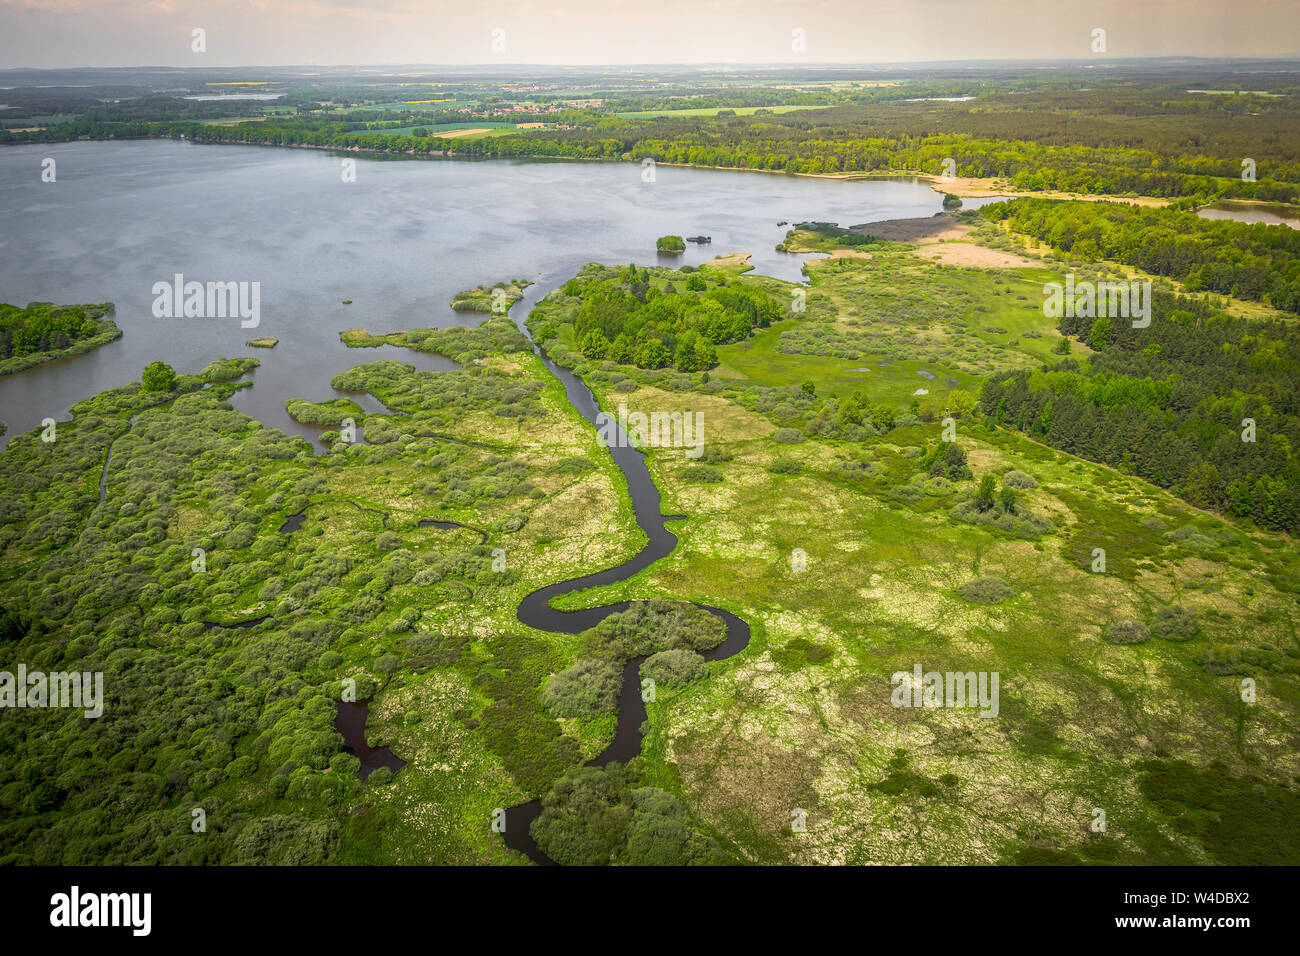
1250 261
1199 402
44 331
623 317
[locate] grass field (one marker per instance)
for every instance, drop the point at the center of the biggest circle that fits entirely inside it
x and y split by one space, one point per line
713 111
1155 734
803 719
898 315
436 128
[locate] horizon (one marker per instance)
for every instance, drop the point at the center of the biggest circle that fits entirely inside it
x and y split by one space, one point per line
1046 64
107 34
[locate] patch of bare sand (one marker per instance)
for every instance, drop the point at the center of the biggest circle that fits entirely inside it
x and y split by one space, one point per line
976 187
731 259
969 254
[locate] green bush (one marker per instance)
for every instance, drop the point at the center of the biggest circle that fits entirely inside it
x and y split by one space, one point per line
1018 479
701 474
675 668
985 591
1127 632
588 687
1175 624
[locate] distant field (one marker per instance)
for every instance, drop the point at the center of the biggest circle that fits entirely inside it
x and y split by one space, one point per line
738 110
433 104
436 128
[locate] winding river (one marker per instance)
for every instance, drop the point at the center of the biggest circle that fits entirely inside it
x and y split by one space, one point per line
536 611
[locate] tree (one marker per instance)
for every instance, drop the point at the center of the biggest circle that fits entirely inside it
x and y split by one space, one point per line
1006 498
1100 334
621 349
706 356
594 345
809 387
960 402
685 359
1044 423
652 354
158 377
881 417
984 494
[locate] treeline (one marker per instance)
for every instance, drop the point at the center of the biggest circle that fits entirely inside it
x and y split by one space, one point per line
1199 402
1246 260
45 327
42 332
621 317
1085 141
1116 139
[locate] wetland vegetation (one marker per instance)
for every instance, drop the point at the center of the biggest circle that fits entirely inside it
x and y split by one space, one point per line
906 463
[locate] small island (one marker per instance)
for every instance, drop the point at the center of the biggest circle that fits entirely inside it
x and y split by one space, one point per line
43 331
496 298
671 245
267 342
333 412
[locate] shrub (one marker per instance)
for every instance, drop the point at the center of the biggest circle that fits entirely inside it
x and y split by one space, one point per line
787 436
1175 624
588 687
938 486
907 492
985 591
675 668
701 474
785 466
1018 479
1222 659
648 627
509 523
1127 632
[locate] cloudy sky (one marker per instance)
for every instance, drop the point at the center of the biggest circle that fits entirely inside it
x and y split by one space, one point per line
66 33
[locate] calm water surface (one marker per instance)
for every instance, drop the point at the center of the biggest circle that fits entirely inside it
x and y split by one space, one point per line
1253 212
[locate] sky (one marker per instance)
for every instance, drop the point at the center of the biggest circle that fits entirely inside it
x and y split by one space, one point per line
71 33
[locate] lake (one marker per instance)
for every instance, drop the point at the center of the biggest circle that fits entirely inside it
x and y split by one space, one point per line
1270 213
399 242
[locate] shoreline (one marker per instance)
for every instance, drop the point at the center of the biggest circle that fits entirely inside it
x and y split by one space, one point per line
962 188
